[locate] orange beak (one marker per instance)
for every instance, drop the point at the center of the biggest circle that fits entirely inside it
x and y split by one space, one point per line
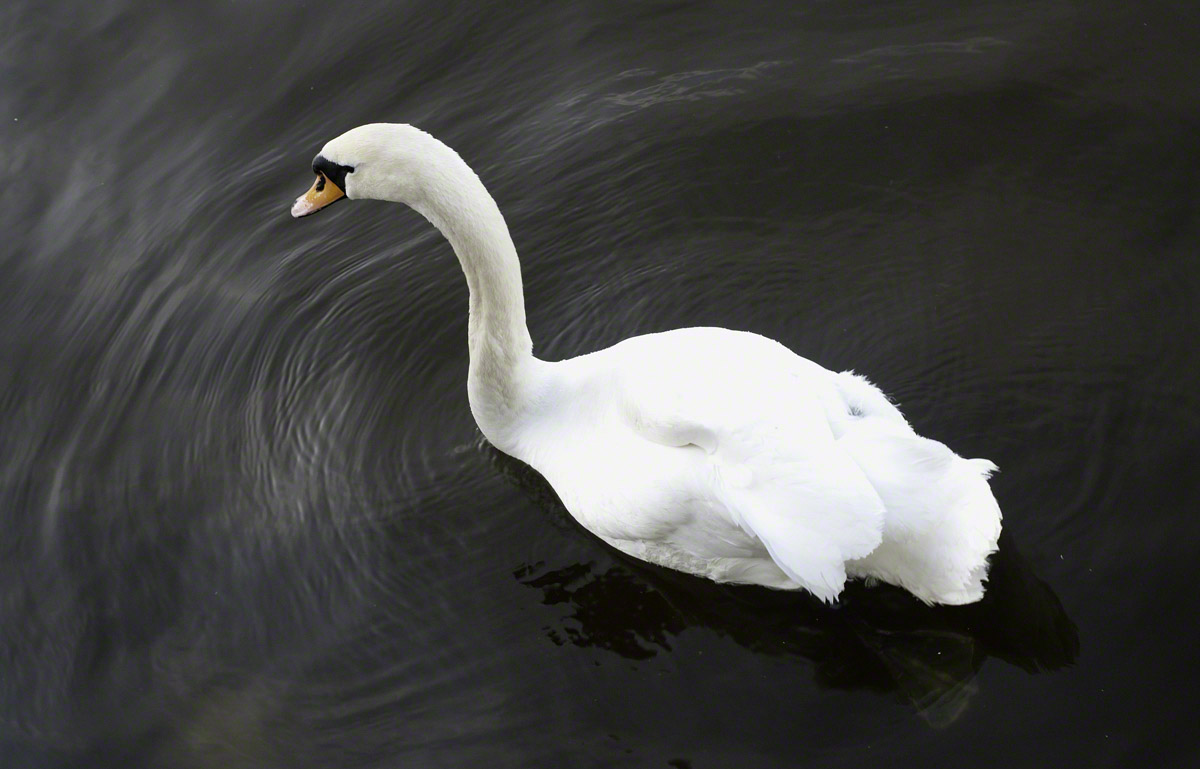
322 193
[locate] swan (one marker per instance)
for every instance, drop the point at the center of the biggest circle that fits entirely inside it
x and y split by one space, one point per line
715 452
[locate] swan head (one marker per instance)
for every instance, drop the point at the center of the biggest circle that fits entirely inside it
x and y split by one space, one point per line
379 161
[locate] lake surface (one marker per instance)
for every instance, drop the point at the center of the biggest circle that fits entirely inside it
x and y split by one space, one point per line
247 518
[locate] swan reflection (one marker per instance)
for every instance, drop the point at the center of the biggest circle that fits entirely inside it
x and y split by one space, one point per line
876 637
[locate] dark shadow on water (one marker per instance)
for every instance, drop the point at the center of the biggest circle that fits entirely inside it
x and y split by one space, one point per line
876 637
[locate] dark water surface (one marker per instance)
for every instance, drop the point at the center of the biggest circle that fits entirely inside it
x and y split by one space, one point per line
246 519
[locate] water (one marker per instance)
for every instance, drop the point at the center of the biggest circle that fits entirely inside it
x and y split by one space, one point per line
248 519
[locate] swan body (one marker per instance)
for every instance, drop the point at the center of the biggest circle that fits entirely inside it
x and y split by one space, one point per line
716 452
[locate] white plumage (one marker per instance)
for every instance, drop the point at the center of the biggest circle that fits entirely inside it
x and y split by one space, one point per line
716 452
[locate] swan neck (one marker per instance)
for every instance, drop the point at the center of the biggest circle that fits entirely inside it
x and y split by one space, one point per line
501 350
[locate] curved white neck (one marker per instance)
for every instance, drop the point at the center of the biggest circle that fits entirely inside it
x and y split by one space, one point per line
456 202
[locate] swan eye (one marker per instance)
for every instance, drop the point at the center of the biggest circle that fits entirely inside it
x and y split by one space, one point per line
331 172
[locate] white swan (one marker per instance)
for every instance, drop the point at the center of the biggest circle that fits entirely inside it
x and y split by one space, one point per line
716 452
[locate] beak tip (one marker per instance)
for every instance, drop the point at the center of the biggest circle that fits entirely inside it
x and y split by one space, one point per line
301 208
322 193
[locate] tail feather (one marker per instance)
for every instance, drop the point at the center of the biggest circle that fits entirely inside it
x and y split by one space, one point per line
941 521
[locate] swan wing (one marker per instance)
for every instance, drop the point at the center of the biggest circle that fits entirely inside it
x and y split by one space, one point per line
769 459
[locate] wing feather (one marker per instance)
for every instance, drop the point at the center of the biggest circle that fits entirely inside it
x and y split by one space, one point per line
772 460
